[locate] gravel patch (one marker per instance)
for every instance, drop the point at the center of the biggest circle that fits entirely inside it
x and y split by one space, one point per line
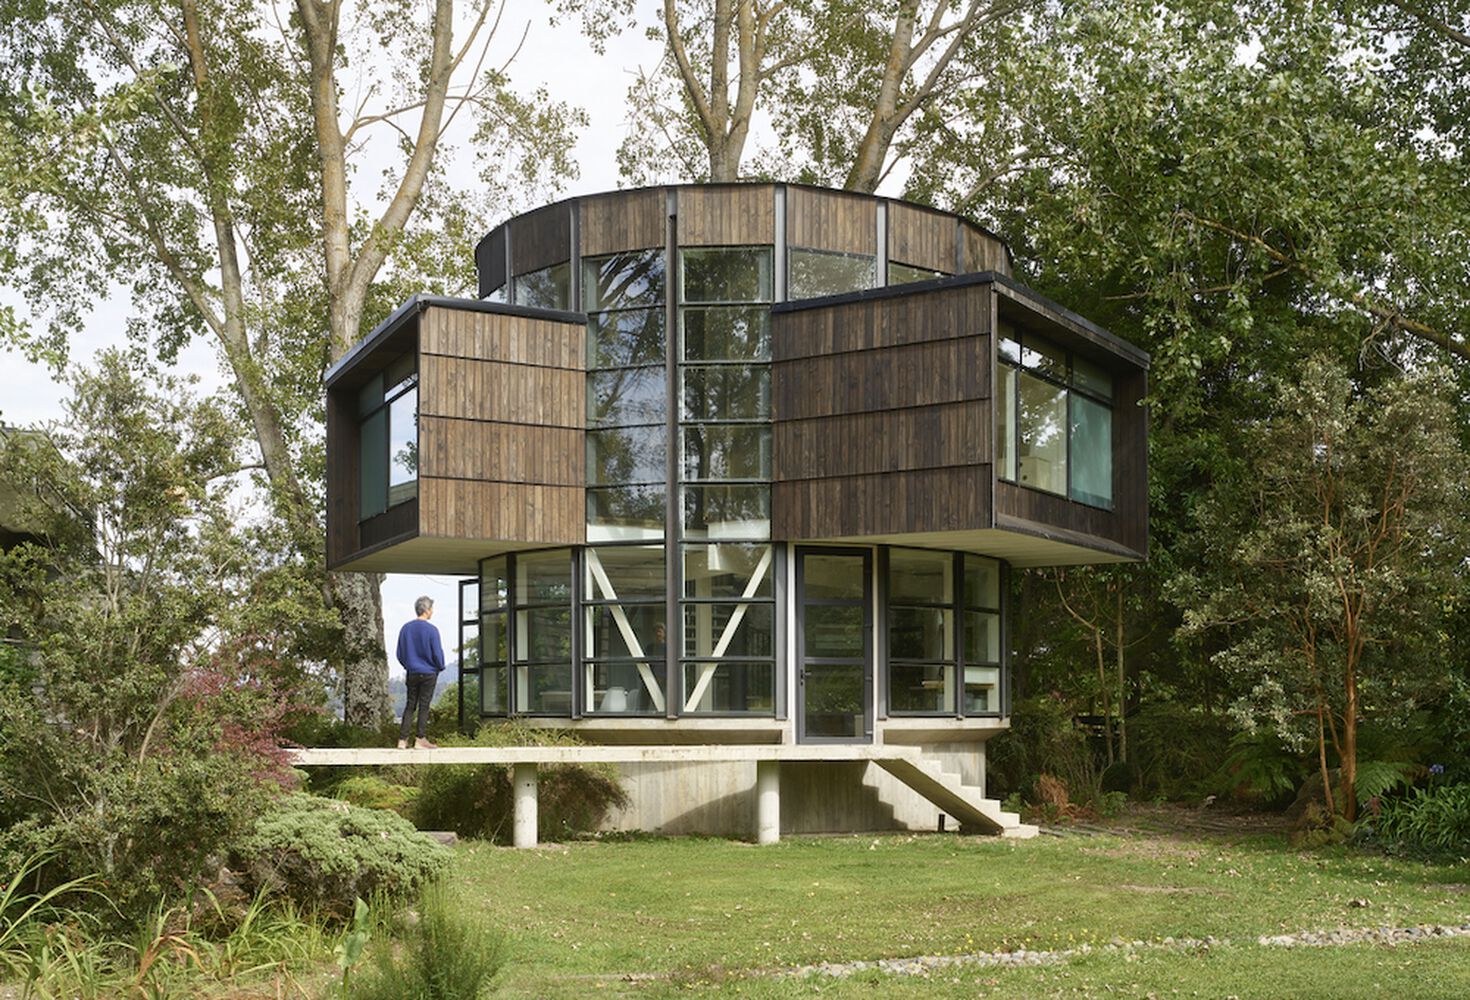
923 965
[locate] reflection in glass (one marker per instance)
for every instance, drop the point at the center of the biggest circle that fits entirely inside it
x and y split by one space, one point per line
821 272
921 687
1092 378
492 690
626 455
918 577
548 288
1005 425
726 451
625 339
715 630
494 645
1043 423
619 512
727 333
544 577
982 637
834 700
543 634
373 464
624 572
904 274
730 686
1044 356
544 688
403 448
1092 452
833 577
633 687
626 631
982 582
626 396
921 633
727 392
727 274
623 280
982 689
834 630
727 570
727 512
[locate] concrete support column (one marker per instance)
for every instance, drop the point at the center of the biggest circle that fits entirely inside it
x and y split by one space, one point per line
523 783
767 801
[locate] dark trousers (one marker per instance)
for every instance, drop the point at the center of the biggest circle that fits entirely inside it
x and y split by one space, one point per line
421 694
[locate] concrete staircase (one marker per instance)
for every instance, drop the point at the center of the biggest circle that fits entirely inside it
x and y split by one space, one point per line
945 789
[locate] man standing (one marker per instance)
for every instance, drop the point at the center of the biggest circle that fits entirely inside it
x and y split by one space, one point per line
422 655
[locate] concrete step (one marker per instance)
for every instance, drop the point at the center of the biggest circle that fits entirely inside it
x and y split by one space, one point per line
963 802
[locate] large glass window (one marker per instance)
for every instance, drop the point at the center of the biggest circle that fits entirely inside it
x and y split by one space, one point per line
625 638
494 636
823 272
541 656
548 288
981 650
388 438
943 630
729 627
904 274
627 395
1053 420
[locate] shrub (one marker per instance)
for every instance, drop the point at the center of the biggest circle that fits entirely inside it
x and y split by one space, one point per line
1434 819
1042 740
1176 748
475 800
372 792
1260 768
446 954
325 854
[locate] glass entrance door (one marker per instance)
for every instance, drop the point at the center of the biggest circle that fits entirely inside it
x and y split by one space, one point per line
834 645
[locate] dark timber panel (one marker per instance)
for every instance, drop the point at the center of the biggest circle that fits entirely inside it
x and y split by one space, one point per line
343 500
490 261
983 252
881 413
955 499
491 390
921 237
831 220
517 453
624 220
727 215
541 238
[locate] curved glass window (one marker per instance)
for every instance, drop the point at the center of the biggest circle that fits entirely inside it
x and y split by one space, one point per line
904 274
625 638
548 288
815 273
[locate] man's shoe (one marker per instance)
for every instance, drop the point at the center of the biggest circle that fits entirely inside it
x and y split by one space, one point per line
403 744
423 744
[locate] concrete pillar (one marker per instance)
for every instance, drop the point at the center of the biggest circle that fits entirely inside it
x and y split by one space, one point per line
767 801
523 784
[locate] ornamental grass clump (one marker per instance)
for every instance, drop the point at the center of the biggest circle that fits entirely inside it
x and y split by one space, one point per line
1433 819
446 953
324 854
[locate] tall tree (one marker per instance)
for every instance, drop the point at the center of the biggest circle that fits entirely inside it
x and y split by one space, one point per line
1332 560
196 152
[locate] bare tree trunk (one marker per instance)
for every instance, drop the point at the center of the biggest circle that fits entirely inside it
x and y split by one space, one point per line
1122 679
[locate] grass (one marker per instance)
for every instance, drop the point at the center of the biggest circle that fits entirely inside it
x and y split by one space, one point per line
695 916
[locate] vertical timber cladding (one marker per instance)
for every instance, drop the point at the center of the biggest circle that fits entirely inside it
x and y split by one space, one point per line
727 215
344 501
623 220
881 414
832 220
541 238
501 439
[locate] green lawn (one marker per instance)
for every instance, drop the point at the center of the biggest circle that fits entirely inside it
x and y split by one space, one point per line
660 917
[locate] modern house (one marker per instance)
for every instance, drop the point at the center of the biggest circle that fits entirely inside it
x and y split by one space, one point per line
744 466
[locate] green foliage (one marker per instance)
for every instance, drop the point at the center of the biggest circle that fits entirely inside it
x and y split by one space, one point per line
449 952
135 740
1112 803
1434 818
1260 768
475 800
326 854
349 950
1175 747
1042 740
372 792
23 914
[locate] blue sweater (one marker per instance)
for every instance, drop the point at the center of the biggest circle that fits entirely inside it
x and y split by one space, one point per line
419 648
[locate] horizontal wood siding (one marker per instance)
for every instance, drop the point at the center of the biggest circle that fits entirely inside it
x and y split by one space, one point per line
727 215
881 414
983 252
831 220
624 220
502 403
921 237
541 238
396 523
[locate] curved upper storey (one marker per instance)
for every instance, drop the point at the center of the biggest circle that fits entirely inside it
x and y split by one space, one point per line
826 241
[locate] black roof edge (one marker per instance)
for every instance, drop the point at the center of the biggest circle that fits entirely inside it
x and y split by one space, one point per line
1107 339
417 304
